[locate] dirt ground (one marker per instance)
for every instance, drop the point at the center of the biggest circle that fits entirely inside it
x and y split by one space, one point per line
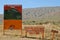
11 37
6 37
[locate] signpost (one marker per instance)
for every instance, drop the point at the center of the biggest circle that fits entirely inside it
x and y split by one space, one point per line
12 19
53 33
35 30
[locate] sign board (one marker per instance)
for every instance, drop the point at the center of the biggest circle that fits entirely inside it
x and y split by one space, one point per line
12 18
34 30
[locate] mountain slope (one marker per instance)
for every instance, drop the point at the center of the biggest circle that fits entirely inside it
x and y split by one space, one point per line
42 13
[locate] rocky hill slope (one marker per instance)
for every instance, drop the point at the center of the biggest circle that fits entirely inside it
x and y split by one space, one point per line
42 13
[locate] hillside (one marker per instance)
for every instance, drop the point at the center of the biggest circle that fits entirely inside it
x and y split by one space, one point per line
1 18
42 13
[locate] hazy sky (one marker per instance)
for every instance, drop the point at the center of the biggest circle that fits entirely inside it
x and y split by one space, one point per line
30 3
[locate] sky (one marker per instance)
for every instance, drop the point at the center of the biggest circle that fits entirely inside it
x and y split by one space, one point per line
29 3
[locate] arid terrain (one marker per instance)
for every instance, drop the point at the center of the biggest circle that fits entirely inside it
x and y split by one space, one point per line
11 37
49 17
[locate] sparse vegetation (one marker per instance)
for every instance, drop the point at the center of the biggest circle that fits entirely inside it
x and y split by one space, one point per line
40 16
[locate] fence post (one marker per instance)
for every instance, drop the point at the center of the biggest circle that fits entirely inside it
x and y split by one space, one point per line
53 34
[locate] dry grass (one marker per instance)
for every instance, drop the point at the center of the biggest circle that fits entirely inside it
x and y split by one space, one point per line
11 37
16 37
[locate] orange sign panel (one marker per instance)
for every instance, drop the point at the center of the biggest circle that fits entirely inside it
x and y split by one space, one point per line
12 17
13 24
